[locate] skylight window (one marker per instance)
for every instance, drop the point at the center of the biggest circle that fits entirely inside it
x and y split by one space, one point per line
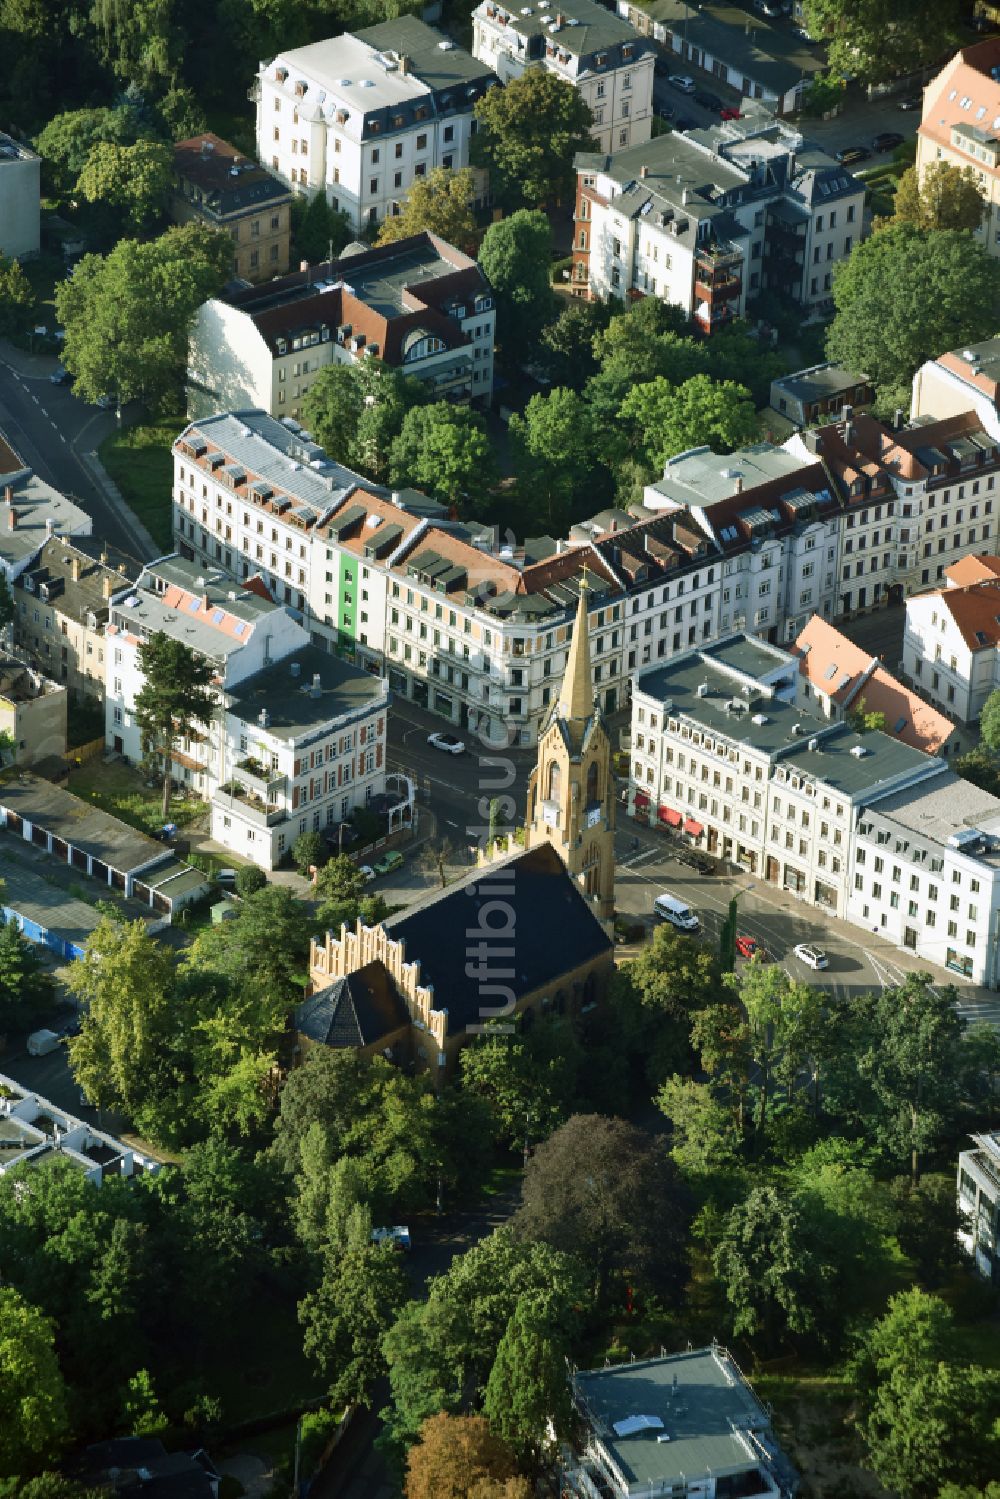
194 606
830 673
899 725
241 628
218 615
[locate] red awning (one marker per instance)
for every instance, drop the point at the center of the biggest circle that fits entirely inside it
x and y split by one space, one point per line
668 815
641 799
692 827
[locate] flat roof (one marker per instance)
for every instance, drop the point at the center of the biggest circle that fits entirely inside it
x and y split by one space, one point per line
353 66
293 709
34 504
699 1400
590 25
77 823
701 477
35 897
822 381
949 805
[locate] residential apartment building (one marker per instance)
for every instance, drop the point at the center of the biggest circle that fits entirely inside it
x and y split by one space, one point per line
757 59
840 681
63 603
34 1132
707 218
363 115
960 125
961 380
418 304
979 1204
684 1424
215 184
925 873
31 512
807 396
32 712
20 199
721 750
951 640
299 737
585 45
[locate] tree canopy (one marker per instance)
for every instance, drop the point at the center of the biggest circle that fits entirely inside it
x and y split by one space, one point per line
873 40
356 411
458 1457
33 1417
440 203
529 132
515 256
174 701
944 197
445 450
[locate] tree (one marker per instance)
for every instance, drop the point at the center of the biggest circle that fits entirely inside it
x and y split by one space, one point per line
551 443
515 257
785 1034
309 851
669 420
567 345
441 204
249 879
67 140
868 39
527 1080
124 984
142 1413
135 180
705 1140
17 301
666 985
318 231
605 1190
458 1457
927 1226
142 44
262 953
989 721
33 1420
359 1297
180 114
770 1267
340 881
356 411
527 1390
127 314
25 986
945 197
175 699
902 296
445 450
529 133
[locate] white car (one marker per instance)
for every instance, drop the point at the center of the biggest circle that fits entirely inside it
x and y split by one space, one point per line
446 742
366 872
682 82
812 957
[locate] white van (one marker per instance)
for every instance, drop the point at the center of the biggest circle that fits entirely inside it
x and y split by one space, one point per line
40 1043
669 908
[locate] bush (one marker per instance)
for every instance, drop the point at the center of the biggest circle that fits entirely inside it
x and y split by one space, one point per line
307 850
249 879
316 1429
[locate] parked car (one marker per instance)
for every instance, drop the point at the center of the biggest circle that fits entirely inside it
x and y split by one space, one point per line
911 103
887 141
398 1236
708 100
848 155
803 36
447 742
812 957
366 872
388 862
40 1043
60 375
682 82
750 947
225 877
729 112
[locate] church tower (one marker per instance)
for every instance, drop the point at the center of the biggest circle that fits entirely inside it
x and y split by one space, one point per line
571 793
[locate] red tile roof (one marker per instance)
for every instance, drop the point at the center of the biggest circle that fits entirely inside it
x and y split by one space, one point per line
981 568
976 611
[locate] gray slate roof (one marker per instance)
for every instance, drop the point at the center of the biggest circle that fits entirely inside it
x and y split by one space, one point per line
295 707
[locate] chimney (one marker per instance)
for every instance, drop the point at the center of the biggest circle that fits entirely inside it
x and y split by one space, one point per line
643 171
316 690
8 494
104 556
296 668
303 266
404 63
122 569
12 519
739 483
684 197
106 587
898 418
74 568
204 602
50 526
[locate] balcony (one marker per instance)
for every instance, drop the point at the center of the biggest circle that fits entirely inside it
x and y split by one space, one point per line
247 804
264 782
722 289
720 256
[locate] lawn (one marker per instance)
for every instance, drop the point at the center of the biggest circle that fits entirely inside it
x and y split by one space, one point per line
122 791
139 461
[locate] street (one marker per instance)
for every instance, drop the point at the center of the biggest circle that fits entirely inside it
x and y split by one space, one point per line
52 432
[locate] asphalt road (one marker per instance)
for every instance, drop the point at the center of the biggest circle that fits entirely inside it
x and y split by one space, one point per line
52 430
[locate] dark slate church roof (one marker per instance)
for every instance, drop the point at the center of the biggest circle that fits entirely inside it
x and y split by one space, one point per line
354 1011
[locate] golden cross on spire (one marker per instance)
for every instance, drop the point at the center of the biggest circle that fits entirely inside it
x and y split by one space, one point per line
585 579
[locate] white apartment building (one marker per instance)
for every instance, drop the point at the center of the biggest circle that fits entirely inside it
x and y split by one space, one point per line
958 381
418 305
951 639
20 199
362 115
299 737
979 1203
925 873
960 124
706 218
584 44
721 752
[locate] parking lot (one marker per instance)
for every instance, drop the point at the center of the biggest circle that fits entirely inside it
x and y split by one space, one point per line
859 960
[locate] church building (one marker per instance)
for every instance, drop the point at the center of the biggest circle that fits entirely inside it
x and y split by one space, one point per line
526 934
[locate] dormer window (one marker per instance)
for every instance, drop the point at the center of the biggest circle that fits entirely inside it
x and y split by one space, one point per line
281 74
300 88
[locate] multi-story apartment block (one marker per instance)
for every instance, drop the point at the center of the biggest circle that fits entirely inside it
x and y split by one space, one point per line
299 738
807 396
417 304
844 683
925 873
362 115
684 1424
961 380
951 640
63 604
720 750
960 125
707 218
31 512
215 185
20 199
602 56
979 1203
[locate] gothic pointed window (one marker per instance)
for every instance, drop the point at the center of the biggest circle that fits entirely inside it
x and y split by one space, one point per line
592 783
555 781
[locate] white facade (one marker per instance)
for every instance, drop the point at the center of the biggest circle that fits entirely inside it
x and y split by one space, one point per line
979 1203
604 59
39 1128
360 117
938 658
20 199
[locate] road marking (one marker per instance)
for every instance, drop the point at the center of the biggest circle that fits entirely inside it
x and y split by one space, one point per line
34 397
450 824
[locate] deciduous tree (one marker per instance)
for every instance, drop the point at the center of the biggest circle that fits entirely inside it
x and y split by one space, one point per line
17 300
667 420
527 1392
516 256
529 133
33 1419
359 1297
458 1457
527 1080
944 197
552 446
356 411
25 986
868 38
134 180
441 204
445 450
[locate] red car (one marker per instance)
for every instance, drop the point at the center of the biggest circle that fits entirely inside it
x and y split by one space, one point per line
729 112
749 947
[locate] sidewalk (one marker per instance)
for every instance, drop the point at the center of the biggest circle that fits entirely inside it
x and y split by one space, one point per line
31 366
130 521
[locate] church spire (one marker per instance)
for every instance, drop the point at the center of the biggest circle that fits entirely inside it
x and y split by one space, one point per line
576 699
